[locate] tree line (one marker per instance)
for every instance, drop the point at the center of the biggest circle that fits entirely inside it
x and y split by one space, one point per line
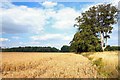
31 49
64 48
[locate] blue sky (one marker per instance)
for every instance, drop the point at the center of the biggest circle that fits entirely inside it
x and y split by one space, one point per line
42 23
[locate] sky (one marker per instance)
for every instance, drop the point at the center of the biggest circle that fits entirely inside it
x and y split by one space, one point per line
42 23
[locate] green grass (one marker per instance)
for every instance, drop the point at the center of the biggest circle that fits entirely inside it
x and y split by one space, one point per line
100 68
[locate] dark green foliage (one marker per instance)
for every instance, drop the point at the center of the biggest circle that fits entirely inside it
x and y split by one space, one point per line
65 48
31 49
92 25
85 41
112 48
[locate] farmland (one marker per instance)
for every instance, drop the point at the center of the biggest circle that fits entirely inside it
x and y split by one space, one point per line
56 65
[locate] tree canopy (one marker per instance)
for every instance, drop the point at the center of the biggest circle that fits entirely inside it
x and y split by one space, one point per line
94 27
65 48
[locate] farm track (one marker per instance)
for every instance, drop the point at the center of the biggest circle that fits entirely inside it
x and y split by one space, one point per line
46 65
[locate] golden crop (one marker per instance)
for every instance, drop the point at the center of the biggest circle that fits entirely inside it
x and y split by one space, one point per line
46 65
52 65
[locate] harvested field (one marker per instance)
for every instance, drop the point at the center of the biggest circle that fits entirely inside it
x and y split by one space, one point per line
46 65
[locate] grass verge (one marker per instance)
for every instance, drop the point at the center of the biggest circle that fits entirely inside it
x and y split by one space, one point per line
106 63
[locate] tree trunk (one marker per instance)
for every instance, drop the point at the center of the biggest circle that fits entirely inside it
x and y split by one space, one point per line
103 45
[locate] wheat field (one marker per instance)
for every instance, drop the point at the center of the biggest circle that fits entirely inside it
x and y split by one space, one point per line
46 65
53 65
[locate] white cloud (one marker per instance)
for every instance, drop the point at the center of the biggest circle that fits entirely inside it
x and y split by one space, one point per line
65 18
49 4
4 39
53 40
21 19
119 5
46 37
6 5
31 43
114 2
52 37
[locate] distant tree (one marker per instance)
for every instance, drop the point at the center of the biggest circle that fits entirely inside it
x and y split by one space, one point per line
94 26
65 48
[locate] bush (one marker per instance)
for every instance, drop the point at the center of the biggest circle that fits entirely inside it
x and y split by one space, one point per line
65 48
112 48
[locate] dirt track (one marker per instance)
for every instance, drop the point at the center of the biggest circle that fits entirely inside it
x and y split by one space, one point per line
46 65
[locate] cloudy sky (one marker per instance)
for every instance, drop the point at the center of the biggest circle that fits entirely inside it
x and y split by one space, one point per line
42 23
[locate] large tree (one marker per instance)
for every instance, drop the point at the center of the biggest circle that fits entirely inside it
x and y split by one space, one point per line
85 40
97 23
